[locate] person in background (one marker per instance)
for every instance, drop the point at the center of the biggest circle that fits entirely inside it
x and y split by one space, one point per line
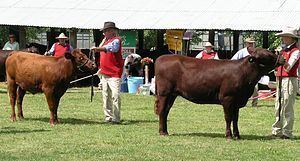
111 68
59 48
11 44
246 51
288 75
208 52
133 66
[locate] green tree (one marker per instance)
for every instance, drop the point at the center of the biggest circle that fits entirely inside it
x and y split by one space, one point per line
274 41
150 39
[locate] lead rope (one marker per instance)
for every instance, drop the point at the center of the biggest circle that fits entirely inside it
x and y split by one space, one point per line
92 57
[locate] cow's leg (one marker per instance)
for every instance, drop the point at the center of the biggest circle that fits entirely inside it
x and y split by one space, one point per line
161 111
235 118
53 104
164 105
228 119
56 121
12 90
20 97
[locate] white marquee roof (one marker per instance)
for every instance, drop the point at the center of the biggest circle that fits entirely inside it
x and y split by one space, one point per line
265 15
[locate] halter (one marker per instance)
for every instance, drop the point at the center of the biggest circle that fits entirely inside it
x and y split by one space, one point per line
83 64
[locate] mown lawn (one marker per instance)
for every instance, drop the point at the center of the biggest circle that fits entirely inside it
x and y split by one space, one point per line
196 131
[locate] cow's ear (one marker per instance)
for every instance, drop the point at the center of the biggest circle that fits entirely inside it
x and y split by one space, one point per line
251 59
68 55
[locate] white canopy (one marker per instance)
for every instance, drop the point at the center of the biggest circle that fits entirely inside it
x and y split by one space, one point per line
263 15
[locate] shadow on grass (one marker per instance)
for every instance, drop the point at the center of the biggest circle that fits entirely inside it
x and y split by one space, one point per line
12 130
221 135
131 122
75 121
72 121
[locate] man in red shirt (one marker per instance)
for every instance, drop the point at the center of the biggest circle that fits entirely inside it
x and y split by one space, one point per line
283 126
59 48
208 52
111 68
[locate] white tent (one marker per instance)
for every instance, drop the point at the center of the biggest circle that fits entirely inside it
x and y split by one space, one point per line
263 15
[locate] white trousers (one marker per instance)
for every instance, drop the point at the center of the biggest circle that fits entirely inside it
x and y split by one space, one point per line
111 97
284 126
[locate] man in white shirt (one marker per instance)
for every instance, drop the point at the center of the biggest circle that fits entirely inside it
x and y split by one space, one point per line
248 50
11 44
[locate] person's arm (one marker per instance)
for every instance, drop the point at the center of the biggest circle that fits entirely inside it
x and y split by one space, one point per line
114 46
51 51
199 56
5 46
71 49
236 56
293 59
216 56
17 46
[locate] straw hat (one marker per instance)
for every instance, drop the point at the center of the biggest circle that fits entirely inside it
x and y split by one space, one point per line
109 25
249 40
289 32
208 44
62 36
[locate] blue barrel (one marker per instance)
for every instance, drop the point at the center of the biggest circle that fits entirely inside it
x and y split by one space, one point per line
134 83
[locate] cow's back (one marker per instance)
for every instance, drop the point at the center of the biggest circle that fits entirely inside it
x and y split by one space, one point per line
34 72
200 81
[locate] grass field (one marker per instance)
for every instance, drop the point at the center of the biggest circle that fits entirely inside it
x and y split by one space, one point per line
196 131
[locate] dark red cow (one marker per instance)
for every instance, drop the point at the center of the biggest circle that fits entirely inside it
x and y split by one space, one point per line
3 56
36 73
226 82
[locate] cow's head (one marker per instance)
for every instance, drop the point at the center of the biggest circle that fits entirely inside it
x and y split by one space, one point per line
265 59
80 60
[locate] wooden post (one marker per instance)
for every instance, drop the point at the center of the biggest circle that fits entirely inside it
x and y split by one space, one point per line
22 37
236 35
160 40
73 37
98 37
140 40
146 74
265 40
51 35
211 37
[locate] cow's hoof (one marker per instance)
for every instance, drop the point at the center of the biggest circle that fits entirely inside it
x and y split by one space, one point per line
21 117
163 133
13 118
237 137
56 122
228 138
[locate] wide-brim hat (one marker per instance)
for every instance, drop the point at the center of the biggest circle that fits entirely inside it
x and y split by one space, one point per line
108 25
289 32
208 44
62 36
250 40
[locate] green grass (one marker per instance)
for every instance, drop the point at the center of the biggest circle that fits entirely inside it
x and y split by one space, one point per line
196 131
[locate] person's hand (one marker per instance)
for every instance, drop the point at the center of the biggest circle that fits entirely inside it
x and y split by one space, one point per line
94 48
46 53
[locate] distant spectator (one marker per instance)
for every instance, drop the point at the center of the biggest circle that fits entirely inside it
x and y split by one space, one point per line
133 65
11 44
59 48
208 52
